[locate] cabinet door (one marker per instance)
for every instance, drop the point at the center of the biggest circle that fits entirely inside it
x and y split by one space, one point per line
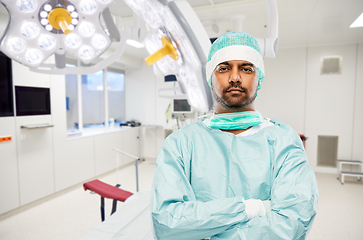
9 184
131 143
35 157
105 156
151 140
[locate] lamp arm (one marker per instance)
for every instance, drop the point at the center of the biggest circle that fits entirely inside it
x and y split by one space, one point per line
110 24
269 45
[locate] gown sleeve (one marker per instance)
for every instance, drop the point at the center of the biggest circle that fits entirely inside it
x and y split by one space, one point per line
176 214
294 198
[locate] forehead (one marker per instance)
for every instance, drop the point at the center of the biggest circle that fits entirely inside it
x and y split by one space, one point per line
235 62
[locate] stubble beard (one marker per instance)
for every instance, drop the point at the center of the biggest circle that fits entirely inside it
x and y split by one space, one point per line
229 104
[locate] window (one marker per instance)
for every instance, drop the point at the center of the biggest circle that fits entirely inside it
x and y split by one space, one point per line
93 102
72 102
116 95
89 106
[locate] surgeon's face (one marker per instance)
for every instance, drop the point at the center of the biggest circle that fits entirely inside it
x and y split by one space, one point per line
234 85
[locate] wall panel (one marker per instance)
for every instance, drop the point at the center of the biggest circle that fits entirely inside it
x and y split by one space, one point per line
330 101
357 152
282 94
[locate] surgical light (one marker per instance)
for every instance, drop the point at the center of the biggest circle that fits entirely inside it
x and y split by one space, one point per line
38 29
358 22
178 45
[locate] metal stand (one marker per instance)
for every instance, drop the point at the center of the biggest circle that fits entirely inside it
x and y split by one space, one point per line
353 174
136 165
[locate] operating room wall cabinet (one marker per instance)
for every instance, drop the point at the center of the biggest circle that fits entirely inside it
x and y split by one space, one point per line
105 156
35 146
9 190
131 143
35 157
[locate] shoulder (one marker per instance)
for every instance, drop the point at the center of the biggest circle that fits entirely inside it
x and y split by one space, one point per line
282 128
188 131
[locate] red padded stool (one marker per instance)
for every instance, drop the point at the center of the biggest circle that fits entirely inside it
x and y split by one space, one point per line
107 191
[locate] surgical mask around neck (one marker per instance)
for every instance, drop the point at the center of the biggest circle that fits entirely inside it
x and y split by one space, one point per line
234 121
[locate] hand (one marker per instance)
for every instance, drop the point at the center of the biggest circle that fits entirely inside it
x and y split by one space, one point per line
255 207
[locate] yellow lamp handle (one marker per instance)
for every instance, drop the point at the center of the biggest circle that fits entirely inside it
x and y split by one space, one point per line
63 25
60 18
167 49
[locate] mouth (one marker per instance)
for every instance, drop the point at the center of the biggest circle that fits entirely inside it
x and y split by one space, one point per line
235 90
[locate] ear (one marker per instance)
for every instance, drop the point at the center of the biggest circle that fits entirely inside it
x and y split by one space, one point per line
212 80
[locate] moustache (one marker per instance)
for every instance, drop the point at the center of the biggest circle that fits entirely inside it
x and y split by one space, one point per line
235 85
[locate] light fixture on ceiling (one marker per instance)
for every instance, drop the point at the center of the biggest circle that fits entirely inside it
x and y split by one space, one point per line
358 22
38 29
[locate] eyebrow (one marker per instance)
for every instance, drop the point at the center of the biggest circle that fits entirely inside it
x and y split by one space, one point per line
242 65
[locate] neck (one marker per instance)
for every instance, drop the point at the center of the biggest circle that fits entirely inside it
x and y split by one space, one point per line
220 109
235 132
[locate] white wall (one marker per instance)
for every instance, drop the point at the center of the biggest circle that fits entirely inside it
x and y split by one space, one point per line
142 101
357 152
330 100
282 94
296 93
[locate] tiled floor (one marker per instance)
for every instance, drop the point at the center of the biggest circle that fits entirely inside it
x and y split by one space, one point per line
72 214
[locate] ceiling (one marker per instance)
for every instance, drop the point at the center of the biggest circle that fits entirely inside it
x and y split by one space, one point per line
301 23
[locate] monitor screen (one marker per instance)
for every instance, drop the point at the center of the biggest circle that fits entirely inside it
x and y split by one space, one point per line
32 101
6 87
181 105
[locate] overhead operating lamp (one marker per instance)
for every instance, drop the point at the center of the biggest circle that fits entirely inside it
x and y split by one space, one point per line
38 29
178 44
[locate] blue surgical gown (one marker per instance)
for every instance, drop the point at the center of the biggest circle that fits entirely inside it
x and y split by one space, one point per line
202 175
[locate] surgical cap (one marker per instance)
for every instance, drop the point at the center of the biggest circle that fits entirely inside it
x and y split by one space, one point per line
235 46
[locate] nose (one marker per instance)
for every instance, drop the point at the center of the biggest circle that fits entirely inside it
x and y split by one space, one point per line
235 76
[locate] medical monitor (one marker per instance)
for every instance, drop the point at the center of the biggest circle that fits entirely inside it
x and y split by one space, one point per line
181 106
32 101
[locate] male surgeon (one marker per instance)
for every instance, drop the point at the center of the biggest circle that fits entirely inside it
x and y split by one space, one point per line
235 174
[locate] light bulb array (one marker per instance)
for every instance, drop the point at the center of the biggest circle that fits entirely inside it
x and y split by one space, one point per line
46 10
31 36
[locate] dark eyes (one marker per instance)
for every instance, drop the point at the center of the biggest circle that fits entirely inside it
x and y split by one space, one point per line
222 69
246 69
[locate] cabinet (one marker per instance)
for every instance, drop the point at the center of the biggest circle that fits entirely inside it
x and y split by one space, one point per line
35 158
9 184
